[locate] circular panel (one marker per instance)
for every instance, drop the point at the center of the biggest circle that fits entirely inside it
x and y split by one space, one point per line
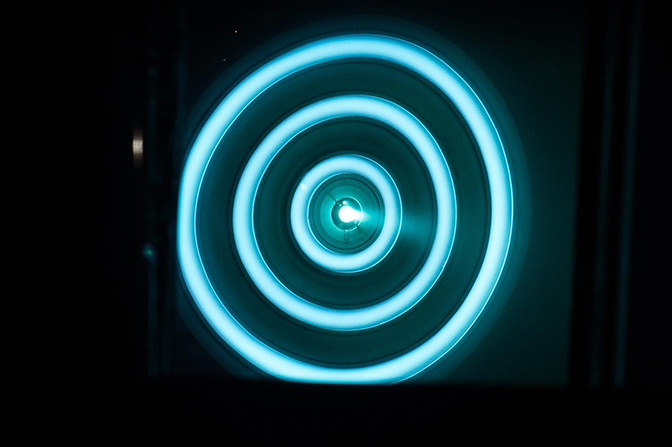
475 115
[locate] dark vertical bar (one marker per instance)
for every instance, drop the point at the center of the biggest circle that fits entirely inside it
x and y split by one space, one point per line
627 194
649 307
595 92
605 201
160 142
151 146
179 74
127 268
601 281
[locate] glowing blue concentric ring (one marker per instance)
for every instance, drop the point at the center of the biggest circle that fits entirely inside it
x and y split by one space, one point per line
300 220
385 112
333 49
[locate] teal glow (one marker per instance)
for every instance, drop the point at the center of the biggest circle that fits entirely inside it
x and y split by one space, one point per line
334 49
309 243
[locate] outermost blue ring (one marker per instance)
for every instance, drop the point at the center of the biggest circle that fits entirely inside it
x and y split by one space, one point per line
331 49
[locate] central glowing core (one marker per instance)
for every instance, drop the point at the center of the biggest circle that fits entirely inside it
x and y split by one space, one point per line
347 214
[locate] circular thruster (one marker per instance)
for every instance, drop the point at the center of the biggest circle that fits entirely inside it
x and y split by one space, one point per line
370 48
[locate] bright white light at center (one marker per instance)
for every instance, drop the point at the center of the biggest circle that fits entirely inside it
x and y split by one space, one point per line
348 214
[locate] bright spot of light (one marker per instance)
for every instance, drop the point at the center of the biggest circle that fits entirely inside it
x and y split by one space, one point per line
349 214
137 148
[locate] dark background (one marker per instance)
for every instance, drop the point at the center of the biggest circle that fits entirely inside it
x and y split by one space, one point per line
88 74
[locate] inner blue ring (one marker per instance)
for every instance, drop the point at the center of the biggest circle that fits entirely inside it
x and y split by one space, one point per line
458 91
300 219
